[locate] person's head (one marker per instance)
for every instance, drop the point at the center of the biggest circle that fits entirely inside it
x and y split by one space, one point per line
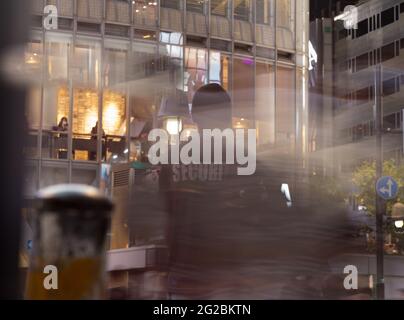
211 108
63 123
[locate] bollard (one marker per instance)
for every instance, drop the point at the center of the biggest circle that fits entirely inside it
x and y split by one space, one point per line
69 247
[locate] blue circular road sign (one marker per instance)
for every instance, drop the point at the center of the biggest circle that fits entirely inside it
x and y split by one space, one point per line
387 188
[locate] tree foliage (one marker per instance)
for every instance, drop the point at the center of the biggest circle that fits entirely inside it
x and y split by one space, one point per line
364 179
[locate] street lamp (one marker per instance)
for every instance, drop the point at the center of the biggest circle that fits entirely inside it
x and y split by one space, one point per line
173 125
397 217
173 111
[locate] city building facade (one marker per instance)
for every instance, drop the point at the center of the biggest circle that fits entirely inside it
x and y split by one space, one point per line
343 112
378 39
99 79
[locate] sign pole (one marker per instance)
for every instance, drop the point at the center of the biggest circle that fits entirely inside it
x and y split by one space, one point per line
380 203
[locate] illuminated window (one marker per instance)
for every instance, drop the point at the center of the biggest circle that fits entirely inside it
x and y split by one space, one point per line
145 12
196 66
219 69
86 73
56 98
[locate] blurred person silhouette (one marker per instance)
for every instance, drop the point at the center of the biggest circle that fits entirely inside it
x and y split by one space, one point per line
202 245
94 134
63 126
235 237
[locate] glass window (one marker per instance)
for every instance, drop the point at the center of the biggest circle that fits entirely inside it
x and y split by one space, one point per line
32 65
145 86
389 87
265 103
145 12
363 28
196 66
285 19
388 52
56 98
387 17
362 62
284 13
219 7
90 9
362 95
242 10
115 101
86 74
196 6
172 4
219 69
243 92
265 11
171 57
118 10
285 106
33 115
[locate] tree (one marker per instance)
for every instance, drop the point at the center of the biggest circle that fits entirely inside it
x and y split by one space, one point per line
364 178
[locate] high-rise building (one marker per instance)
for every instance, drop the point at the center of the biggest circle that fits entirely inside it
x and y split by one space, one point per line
110 62
378 39
343 97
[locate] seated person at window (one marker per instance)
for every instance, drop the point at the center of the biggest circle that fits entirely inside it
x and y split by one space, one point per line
63 125
94 132
61 146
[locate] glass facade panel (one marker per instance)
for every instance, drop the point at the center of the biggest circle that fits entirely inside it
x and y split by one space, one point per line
285 106
243 92
172 4
242 10
265 103
145 13
196 68
219 7
33 59
265 12
146 83
220 18
56 98
86 74
196 6
219 69
243 21
285 20
115 101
